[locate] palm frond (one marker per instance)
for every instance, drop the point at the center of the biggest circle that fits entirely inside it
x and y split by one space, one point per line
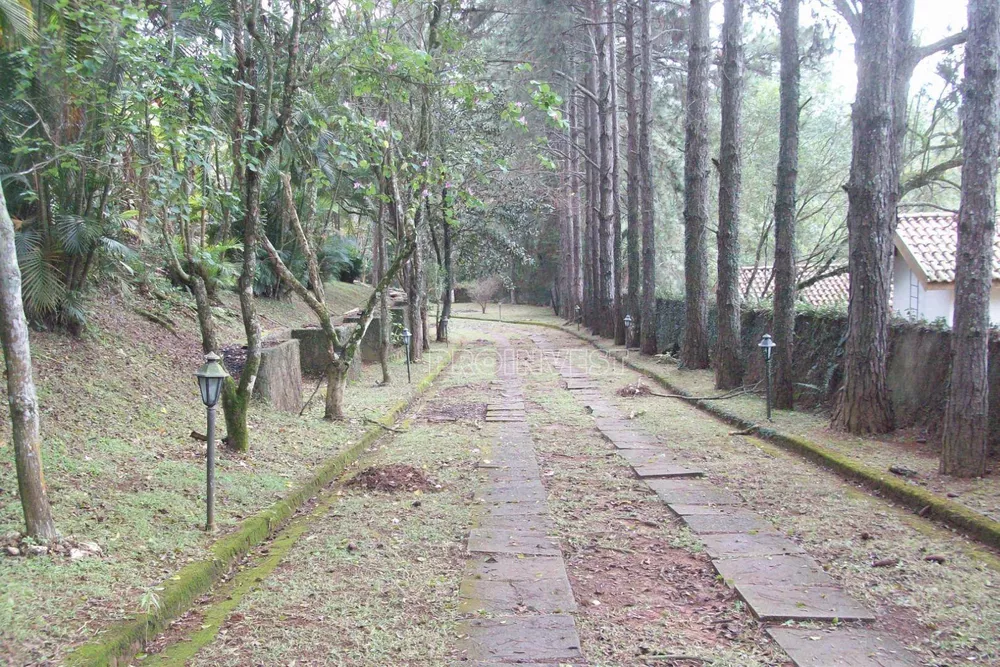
17 19
76 233
42 286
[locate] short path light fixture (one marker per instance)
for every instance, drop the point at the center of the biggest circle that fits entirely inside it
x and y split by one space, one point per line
210 379
444 328
766 345
579 316
407 336
628 331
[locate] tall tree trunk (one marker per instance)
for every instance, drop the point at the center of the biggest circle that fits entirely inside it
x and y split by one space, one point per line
863 403
966 421
784 208
606 325
594 194
694 351
729 346
574 205
415 292
206 321
616 209
647 320
632 172
385 319
236 397
449 271
586 204
21 395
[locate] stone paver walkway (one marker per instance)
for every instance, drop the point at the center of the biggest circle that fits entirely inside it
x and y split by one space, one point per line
770 572
516 595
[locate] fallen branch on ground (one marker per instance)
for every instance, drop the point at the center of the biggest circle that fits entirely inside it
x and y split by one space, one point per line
319 384
387 428
732 394
689 658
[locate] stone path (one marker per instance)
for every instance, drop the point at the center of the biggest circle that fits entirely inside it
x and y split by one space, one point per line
772 574
516 594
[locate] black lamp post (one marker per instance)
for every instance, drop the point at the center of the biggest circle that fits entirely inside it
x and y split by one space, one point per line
407 336
444 328
766 345
579 317
628 332
210 379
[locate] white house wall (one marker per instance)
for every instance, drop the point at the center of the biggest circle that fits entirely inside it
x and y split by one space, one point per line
931 304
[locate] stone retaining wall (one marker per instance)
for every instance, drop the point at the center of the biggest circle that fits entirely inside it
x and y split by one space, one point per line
919 362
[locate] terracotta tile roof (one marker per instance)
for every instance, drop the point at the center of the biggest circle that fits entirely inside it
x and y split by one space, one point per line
826 292
928 242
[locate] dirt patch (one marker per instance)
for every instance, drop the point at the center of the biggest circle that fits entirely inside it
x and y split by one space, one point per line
394 478
633 585
449 411
636 389
234 357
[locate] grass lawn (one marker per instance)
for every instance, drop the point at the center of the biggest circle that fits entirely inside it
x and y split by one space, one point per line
117 407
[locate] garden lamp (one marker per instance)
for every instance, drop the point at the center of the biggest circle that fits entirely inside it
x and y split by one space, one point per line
211 377
628 331
766 345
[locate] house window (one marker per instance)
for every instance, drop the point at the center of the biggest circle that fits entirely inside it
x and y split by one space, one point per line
914 308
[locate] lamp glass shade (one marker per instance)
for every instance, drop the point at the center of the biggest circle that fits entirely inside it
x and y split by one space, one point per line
766 344
628 321
210 379
407 336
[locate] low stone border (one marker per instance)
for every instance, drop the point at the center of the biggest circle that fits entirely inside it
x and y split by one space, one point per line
929 505
119 643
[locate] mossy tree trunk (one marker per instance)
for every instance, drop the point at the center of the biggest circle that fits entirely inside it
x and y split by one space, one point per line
251 135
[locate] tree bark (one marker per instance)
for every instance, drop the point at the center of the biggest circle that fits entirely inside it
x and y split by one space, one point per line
729 347
605 322
694 351
863 403
21 395
594 203
784 208
385 319
966 422
632 173
236 398
647 319
415 292
449 271
574 205
616 212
